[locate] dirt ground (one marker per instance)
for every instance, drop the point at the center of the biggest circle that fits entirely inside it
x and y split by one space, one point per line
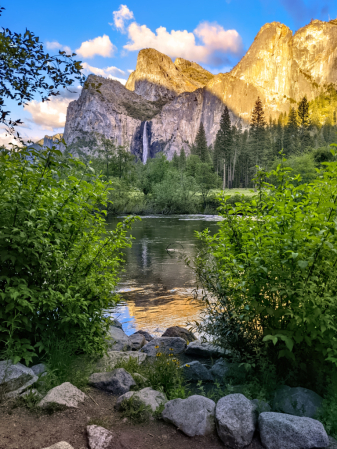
21 428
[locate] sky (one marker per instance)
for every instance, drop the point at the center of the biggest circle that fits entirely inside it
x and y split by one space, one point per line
107 36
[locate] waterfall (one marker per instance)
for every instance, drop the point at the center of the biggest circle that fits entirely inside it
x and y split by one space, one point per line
145 144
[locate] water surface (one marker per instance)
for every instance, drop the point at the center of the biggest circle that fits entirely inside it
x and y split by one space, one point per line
157 287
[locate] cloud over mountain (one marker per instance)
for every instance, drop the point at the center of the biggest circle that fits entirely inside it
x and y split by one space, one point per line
101 46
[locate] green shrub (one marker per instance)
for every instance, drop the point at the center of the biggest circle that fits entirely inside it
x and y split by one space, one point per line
58 262
270 271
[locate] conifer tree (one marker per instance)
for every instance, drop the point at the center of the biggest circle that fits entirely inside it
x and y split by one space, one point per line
200 144
257 131
291 140
182 159
175 160
304 124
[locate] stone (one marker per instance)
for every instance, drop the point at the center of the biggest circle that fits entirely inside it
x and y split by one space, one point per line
60 445
99 437
261 406
112 358
118 381
147 396
15 379
199 349
195 371
332 443
235 418
140 380
166 345
148 337
177 331
118 340
65 395
220 369
39 369
137 341
116 323
193 416
122 398
297 401
282 431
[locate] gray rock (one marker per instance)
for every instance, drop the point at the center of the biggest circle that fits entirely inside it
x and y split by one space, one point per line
60 445
194 415
199 349
39 369
15 379
235 418
137 341
110 360
195 371
99 438
281 431
66 395
332 443
166 345
140 380
116 323
118 340
297 401
176 331
220 369
146 396
148 337
261 406
118 381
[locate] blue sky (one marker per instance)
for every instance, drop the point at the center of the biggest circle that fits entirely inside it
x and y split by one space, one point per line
108 35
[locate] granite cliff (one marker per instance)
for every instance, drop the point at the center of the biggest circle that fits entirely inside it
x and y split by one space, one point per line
163 102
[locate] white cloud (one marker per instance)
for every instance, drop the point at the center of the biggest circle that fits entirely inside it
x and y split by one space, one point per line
121 16
6 140
57 46
214 39
101 46
106 72
130 71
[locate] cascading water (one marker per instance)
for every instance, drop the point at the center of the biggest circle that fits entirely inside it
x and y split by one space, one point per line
145 144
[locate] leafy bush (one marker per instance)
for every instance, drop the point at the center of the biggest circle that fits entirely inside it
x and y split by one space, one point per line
270 271
59 265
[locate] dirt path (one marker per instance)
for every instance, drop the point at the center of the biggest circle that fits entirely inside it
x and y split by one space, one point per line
21 428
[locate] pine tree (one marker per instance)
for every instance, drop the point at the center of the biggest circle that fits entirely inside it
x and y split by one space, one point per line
201 144
175 160
304 124
182 159
291 137
257 131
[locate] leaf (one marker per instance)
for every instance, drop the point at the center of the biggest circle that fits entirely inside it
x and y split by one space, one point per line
302 264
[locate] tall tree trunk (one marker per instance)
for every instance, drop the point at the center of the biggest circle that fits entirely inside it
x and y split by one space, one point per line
224 176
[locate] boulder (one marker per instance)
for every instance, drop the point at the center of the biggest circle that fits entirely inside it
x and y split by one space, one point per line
147 396
137 341
117 381
140 380
176 331
199 349
39 369
65 395
148 337
116 323
118 340
195 371
332 443
60 445
99 438
194 415
236 418
261 406
282 431
166 345
122 398
220 369
109 361
297 401
15 379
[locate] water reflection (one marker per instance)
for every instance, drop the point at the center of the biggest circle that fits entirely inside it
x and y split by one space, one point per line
157 287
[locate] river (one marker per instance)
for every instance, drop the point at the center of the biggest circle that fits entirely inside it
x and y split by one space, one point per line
157 286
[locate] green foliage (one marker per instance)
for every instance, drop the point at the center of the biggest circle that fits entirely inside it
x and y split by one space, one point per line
59 265
136 411
303 165
271 271
201 148
327 415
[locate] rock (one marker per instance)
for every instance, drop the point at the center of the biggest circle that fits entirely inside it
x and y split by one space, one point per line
261 406
118 340
60 445
39 369
194 415
64 395
177 331
109 361
332 443
137 341
32 391
15 379
148 337
220 369
140 380
297 401
282 431
146 396
117 381
99 438
199 349
195 371
235 418
166 345
116 323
